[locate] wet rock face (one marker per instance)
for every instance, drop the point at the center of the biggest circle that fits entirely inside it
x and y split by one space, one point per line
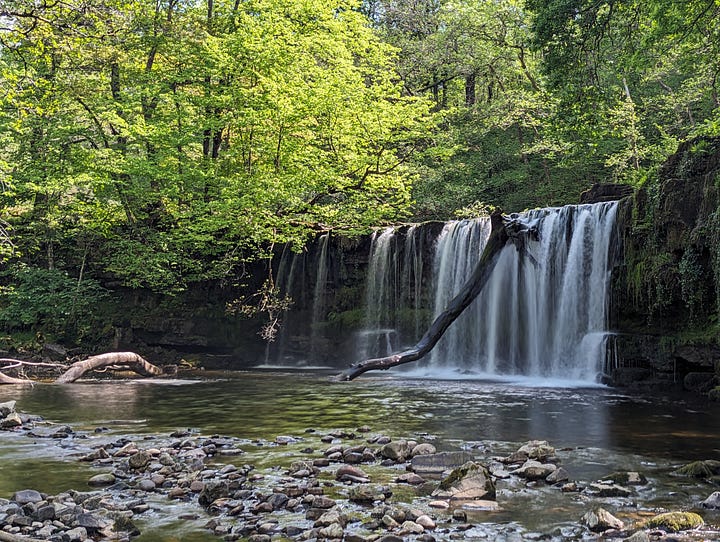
468 482
669 282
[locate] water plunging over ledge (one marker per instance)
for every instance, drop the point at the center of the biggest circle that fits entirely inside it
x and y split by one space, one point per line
543 313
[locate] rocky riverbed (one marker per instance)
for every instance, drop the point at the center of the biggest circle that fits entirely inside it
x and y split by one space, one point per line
357 485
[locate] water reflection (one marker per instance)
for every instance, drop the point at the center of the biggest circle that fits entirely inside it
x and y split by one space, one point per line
265 404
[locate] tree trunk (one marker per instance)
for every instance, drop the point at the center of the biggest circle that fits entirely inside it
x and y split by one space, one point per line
5 379
500 234
131 360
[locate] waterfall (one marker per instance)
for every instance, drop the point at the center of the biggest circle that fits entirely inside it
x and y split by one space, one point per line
393 292
542 314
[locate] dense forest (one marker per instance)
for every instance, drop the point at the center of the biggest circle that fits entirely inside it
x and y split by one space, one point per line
157 144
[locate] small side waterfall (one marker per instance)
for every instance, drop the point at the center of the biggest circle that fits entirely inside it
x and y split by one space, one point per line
393 292
542 314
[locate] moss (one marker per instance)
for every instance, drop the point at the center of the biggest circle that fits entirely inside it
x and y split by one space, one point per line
675 521
700 469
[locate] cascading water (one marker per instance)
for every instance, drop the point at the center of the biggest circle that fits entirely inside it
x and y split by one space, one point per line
393 313
541 314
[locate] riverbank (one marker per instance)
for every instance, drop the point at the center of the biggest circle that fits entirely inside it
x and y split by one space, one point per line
362 482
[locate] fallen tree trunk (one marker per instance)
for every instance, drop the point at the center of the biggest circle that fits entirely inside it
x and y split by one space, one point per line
500 234
113 360
5 379
130 360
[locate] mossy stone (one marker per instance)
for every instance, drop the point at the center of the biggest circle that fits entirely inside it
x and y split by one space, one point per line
700 469
675 521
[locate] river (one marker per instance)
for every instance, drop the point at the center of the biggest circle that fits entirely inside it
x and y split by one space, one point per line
600 430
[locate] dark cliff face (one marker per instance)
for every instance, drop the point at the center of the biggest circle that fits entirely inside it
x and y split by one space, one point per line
665 298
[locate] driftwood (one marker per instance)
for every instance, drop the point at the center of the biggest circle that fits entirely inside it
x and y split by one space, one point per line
112 360
501 233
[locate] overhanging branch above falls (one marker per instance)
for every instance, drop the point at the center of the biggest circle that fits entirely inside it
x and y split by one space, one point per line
503 230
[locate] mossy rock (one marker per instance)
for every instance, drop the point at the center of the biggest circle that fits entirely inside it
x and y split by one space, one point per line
674 521
700 469
627 478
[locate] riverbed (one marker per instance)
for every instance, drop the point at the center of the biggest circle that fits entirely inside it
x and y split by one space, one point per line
596 430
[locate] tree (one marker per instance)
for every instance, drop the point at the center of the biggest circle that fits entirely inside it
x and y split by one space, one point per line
167 142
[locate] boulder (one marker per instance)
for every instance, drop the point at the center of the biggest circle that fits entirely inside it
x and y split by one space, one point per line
713 501
106 479
26 496
538 450
11 420
6 408
471 481
674 521
534 470
396 450
600 520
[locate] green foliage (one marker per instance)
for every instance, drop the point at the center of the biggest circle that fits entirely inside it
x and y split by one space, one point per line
166 145
51 300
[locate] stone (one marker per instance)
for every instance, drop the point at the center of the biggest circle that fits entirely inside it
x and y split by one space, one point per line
213 491
6 408
471 481
45 513
139 460
409 528
640 536
98 454
323 502
349 471
443 505
105 479
538 450
627 478
423 449
674 521
396 450
333 531
534 470
699 382
89 522
278 500
426 521
330 517
557 476
440 462
79 534
598 192
608 490
366 493
713 501
11 420
410 478
26 496
600 520
146 485
389 522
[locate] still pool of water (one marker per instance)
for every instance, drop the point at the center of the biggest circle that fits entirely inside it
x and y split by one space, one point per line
603 429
